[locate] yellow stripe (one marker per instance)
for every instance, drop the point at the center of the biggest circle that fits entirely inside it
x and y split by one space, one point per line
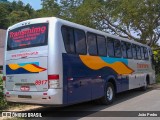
28 67
96 63
32 68
14 66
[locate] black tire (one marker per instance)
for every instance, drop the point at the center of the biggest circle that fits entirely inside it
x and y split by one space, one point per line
144 88
108 98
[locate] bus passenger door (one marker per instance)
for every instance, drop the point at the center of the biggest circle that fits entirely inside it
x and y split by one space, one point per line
132 81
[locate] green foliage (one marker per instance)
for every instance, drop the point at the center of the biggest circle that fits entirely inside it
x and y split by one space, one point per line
133 19
140 16
3 16
15 16
1 81
14 12
85 13
122 17
158 78
3 103
49 8
157 62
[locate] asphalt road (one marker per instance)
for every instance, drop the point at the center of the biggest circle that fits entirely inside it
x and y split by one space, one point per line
134 100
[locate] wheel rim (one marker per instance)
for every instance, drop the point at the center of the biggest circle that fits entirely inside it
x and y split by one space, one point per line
109 93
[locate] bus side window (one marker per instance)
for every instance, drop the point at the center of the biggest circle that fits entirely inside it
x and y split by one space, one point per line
124 49
134 51
117 48
80 41
92 43
129 50
142 52
146 54
68 38
101 44
110 47
138 52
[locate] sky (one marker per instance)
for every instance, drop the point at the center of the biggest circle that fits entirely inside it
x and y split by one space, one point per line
36 4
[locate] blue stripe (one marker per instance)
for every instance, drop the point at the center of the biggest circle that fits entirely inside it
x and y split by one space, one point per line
23 64
113 60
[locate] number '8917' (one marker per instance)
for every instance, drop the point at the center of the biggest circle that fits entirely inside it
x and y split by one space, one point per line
40 82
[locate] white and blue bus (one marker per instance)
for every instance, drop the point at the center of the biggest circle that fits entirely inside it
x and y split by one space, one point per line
50 61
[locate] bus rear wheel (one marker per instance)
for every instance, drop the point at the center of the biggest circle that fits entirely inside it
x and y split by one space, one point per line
109 94
144 88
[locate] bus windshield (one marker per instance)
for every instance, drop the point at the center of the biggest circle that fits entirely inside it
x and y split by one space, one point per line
28 36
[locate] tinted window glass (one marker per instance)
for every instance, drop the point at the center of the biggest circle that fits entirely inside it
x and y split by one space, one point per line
142 52
110 47
68 38
124 49
28 36
129 50
80 41
117 48
92 44
134 51
101 44
138 52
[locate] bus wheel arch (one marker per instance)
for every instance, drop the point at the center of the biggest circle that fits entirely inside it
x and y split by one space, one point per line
112 80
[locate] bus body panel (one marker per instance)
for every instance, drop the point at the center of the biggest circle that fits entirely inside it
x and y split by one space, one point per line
81 77
52 97
142 68
19 78
82 83
31 85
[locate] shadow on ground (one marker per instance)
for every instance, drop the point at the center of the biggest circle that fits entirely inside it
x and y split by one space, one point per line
88 108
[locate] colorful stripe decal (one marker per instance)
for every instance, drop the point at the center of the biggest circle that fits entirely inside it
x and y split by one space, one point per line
32 67
96 63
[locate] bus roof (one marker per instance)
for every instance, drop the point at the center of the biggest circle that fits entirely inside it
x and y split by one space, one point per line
68 23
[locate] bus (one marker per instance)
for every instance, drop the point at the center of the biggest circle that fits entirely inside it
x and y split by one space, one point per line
50 61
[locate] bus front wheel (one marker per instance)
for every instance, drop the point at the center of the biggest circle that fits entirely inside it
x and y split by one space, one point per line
109 94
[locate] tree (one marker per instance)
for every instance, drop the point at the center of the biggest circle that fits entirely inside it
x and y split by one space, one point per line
17 16
133 19
3 16
138 16
49 8
13 12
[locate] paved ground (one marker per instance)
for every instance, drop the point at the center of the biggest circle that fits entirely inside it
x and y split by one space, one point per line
134 100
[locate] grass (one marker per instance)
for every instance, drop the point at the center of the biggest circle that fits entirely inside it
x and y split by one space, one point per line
158 78
3 103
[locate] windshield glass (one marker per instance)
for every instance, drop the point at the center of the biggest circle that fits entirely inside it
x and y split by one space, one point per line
28 36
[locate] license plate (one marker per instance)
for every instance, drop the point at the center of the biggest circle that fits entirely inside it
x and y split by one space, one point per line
24 96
